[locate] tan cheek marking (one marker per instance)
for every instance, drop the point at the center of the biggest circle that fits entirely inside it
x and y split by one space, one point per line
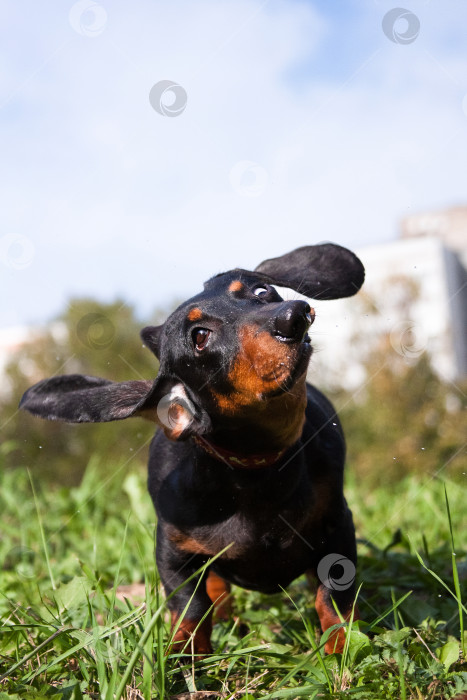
282 417
195 314
235 286
262 365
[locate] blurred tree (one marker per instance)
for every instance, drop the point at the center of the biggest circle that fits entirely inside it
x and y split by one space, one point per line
88 338
404 419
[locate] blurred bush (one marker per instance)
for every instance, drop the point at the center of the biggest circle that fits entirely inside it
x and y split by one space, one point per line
404 420
88 338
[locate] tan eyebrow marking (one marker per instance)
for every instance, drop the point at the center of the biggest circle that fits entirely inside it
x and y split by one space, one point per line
235 286
195 314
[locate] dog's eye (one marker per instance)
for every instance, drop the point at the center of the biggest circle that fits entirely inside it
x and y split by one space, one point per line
200 337
260 291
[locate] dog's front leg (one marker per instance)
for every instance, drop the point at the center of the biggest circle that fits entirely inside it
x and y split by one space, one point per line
192 627
192 636
335 571
345 601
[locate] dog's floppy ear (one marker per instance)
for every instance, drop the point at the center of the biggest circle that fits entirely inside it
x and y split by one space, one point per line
76 398
151 337
325 271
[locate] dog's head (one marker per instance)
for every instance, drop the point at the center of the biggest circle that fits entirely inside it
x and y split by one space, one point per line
225 354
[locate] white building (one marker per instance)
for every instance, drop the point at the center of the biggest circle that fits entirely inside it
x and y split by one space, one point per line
449 225
415 292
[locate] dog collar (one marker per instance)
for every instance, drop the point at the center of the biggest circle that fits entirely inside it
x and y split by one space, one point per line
236 460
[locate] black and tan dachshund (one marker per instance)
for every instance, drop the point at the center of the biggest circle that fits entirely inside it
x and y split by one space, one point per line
249 454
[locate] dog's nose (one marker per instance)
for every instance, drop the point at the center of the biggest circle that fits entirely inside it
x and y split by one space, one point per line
293 320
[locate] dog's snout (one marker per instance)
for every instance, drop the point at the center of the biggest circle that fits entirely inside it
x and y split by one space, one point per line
293 320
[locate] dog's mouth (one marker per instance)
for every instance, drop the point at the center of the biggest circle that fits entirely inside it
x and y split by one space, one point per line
286 369
306 340
299 367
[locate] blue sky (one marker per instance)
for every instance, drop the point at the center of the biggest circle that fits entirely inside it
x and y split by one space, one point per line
303 122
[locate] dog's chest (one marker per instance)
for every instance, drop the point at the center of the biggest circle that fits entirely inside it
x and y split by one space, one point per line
246 536
266 519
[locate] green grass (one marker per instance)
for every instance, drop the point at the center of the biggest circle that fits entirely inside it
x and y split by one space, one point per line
65 634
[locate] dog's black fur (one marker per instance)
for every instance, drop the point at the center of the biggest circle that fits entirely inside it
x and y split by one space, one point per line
250 455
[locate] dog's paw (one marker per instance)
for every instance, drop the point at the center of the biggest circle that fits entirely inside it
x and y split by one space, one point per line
192 638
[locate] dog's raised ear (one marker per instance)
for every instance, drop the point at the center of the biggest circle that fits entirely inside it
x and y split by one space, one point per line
151 337
325 271
75 398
